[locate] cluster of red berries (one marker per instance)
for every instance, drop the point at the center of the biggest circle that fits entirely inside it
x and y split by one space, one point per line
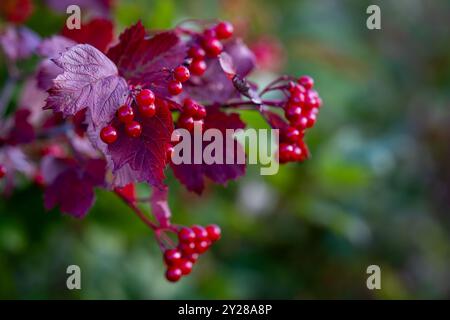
2 171
191 243
208 46
192 114
301 111
145 101
180 74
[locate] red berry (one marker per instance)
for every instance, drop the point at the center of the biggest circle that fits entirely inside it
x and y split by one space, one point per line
186 122
2 171
181 73
172 257
190 107
285 152
295 89
212 46
201 113
133 129
196 52
175 87
186 266
202 246
145 97
298 99
291 134
224 30
292 112
200 233
125 114
301 123
186 235
173 274
214 232
198 67
193 257
148 110
306 81
311 120
108 134
187 248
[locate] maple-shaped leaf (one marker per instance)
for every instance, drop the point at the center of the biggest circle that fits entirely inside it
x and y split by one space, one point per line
148 60
70 184
97 32
142 159
47 69
89 80
193 175
216 85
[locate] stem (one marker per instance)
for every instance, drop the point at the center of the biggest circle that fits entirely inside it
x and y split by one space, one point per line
139 213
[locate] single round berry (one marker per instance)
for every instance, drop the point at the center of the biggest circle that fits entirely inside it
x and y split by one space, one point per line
125 114
200 233
186 266
212 46
293 112
298 99
200 113
202 246
2 171
190 107
175 87
145 97
186 123
196 52
186 235
172 257
306 81
297 153
224 30
300 123
198 67
193 257
311 120
108 134
148 110
133 129
181 73
285 152
187 248
291 134
214 232
173 274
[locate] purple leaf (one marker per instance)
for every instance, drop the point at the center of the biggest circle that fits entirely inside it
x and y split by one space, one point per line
89 80
72 187
18 42
22 131
192 175
216 85
160 206
147 60
143 158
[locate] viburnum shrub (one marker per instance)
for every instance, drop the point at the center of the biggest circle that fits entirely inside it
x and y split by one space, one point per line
111 107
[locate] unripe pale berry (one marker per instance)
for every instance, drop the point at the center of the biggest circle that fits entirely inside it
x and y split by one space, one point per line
108 134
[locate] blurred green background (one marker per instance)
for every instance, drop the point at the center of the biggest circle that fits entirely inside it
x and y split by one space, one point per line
376 190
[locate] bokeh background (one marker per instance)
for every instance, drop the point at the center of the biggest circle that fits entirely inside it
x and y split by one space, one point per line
376 190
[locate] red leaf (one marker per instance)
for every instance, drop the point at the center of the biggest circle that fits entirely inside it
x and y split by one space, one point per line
146 60
97 32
